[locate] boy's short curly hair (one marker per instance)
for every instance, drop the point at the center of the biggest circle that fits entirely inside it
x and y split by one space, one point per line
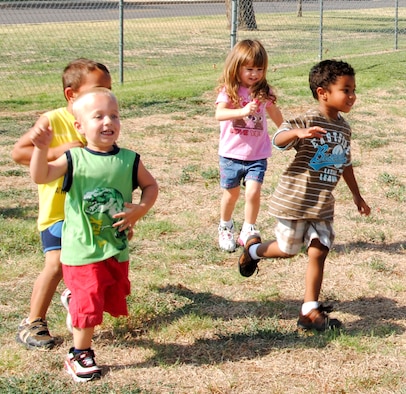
326 73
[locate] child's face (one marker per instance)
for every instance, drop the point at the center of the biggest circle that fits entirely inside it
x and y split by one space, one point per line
250 75
99 122
341 95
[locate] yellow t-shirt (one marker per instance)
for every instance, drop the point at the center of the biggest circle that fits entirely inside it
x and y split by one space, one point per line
51 197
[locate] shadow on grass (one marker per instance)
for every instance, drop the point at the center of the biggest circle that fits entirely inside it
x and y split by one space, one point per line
377 315
392 248
27 213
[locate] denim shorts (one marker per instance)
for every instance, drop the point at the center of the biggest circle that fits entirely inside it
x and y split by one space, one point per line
233 171
51 237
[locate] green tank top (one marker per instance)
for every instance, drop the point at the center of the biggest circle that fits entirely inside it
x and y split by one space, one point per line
96 185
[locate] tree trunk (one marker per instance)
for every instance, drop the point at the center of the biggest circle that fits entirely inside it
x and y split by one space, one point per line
246 14
299 8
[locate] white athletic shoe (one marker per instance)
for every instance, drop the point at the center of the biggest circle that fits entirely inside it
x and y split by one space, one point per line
226 238
82 366
242 239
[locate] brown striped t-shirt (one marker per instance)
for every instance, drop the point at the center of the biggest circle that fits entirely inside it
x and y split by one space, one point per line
305 188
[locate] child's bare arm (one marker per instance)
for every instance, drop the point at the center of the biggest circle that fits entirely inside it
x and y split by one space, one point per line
352 184
275 114
149 194
223 112
41 170
23 148
285 137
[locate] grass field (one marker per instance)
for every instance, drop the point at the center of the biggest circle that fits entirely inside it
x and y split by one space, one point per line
195 325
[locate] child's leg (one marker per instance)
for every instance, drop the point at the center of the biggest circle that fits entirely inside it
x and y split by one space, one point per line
314 315
228 201
317 254
252 201
33 332
289 236
82 337
45 285
270 249
253 178
254 250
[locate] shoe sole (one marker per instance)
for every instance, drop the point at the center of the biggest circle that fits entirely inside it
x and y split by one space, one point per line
229 251
243 269
335 326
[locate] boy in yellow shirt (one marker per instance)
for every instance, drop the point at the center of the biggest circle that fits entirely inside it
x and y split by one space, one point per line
78 76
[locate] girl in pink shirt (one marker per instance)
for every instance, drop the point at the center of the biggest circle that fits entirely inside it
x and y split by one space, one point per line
244 99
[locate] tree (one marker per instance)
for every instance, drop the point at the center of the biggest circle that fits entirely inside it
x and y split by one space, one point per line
246 14
299 8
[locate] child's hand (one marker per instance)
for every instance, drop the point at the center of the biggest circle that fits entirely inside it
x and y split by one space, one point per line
250 108
128 218
311 132
41 136
362 206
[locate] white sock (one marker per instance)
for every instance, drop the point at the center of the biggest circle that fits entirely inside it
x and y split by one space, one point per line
253 251
308 306
247 226
228 223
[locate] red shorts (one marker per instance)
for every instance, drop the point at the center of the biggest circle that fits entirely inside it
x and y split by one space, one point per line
97 288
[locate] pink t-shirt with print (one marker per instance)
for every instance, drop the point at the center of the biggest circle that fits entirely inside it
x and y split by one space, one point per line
244 139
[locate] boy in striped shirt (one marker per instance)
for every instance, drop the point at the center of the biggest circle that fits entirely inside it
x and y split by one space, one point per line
303 202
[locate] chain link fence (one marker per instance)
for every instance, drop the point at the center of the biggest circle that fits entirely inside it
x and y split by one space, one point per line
143 40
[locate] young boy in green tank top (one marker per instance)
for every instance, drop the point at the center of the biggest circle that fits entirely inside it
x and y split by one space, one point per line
99 180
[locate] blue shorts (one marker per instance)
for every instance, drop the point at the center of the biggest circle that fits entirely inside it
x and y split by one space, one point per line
51 237
233 171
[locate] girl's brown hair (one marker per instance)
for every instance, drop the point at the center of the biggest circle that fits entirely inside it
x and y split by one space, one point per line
246 52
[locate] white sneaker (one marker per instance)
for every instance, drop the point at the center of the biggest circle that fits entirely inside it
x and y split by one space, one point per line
226 238
242 238
65 299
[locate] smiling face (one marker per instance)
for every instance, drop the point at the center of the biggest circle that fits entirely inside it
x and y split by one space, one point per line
98 119
249 75
338 97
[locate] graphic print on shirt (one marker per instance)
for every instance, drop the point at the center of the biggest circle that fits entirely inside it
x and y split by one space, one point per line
251 124
100 205
330 162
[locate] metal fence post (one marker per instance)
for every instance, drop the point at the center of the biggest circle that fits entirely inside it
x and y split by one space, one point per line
321 31
121 42
234 22
396 23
